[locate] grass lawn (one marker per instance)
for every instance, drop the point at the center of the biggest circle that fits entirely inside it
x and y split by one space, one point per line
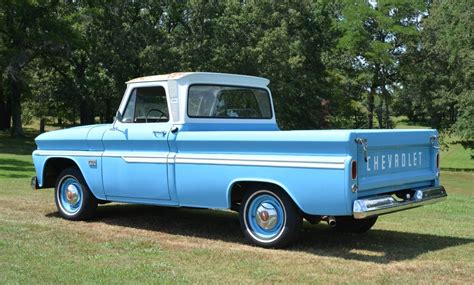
456 157
144 244
452 156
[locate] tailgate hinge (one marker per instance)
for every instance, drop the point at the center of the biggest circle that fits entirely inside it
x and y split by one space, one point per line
363 142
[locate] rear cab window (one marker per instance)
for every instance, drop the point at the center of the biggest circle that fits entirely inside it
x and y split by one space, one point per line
231 102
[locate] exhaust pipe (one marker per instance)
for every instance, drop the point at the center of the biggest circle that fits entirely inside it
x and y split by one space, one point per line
332 221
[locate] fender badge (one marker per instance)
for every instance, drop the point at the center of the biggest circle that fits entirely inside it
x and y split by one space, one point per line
93 163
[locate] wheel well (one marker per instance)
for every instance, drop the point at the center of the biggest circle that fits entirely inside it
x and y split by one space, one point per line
238 190
53 168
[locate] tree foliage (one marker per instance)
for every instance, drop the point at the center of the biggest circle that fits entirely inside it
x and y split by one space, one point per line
332 64
439 80
30 30
376 37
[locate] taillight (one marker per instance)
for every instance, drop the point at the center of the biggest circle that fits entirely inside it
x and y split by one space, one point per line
354 169
437 160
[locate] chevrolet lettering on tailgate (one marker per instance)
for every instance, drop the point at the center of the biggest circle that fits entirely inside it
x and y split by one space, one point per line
210 140
389 161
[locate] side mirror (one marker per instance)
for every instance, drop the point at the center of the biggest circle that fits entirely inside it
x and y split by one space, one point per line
118 117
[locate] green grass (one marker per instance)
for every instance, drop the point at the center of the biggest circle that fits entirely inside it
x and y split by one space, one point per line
402 122
15 157
456 156
453 155
144 244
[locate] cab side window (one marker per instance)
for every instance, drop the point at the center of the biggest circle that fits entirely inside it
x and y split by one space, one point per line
147 105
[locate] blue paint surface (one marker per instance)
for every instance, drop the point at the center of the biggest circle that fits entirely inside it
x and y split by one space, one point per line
317 191
122 178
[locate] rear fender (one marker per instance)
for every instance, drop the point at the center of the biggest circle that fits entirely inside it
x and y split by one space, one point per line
256 181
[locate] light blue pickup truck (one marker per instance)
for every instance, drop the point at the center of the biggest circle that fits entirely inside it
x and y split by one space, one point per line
210 140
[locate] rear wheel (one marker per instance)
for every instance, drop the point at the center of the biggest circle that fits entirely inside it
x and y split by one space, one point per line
351 225
269 218
73 197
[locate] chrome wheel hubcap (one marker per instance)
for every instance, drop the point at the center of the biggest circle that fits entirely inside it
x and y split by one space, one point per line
72 194
266 216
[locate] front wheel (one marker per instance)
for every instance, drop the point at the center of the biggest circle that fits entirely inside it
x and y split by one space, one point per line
269 218
72 196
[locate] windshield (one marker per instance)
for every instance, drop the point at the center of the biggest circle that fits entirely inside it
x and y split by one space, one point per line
216 101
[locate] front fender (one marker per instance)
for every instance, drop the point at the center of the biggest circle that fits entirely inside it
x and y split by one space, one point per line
91 173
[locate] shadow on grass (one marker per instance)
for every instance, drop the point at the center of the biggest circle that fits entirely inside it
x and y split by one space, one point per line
15 164
15 168
378 246
15 175
24 145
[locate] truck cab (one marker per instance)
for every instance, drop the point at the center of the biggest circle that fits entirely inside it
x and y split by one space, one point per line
210 140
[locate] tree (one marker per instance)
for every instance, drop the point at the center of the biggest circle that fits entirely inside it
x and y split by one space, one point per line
377 35
291 43
284 42
29 29
442 84
5 108
115 42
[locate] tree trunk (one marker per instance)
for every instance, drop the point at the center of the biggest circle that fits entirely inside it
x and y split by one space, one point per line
388 123
74 116
17 129
86 108
3 111
42 125
86 113
379 113
109 116
370 107
3 117
386 112
8 114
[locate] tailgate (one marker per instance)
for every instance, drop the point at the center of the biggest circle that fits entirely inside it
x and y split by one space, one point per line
392 160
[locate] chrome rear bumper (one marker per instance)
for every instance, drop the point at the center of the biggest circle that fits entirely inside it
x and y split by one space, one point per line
380 205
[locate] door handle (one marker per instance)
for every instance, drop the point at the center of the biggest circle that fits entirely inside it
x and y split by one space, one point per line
162 133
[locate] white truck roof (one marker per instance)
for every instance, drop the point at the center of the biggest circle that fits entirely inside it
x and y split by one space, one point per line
204 77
